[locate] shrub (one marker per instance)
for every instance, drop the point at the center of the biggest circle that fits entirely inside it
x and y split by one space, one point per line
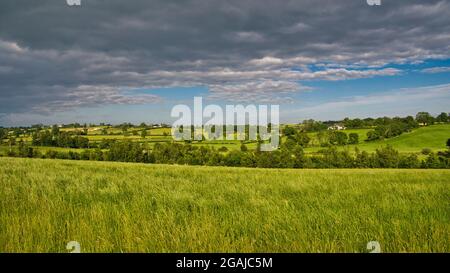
244 148
409 162
387 157
338 138
434 161
353 138
223 149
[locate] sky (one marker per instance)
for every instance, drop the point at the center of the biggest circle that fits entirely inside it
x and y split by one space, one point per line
120 61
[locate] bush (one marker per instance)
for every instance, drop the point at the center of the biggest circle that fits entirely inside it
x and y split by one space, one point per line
434 161
409 162
223 149
338 138
290 155
244 148
289 131
444 153
353 138
390 128
387 157
373 135
302 139
3 133
336 159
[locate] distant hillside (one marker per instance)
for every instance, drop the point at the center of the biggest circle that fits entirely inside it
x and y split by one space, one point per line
433 137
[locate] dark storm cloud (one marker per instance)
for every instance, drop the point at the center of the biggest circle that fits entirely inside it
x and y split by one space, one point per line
53 57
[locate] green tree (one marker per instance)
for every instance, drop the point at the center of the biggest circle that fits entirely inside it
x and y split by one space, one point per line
313 126
433 162
323 138
424 118
144 133
26 151
289 144
355 123
302 139
443 117
11 142
300 160
223 149
3 133
17 133
338 138
353 138
244 148
387 157
410 161
288 131
55 130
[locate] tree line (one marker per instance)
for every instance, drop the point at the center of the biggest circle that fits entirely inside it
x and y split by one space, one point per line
55 138
325 138
422 118
290 155
381 128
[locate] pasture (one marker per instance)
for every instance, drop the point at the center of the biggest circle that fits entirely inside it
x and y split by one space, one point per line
119 207
432 137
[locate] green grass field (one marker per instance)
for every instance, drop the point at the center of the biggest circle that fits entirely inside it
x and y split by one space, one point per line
433 137
119 207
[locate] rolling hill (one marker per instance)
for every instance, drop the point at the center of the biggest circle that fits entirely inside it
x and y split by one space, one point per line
433 137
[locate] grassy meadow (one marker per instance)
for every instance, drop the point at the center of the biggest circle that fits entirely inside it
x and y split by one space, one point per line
432 137
119 207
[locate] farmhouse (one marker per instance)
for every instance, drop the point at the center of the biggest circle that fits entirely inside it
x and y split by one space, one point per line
337 127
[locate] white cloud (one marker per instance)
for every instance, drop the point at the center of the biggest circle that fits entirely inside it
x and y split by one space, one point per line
256 91
298 27
86 96
247 36
11 47
249 46
395 102
435 70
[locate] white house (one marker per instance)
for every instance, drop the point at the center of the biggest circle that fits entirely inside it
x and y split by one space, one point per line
337 127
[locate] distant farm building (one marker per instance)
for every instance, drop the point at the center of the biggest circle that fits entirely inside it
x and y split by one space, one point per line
337 127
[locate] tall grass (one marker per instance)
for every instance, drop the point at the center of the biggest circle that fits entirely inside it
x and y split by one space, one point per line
118 207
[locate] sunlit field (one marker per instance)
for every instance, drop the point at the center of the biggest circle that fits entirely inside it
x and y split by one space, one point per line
431 137
119 207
